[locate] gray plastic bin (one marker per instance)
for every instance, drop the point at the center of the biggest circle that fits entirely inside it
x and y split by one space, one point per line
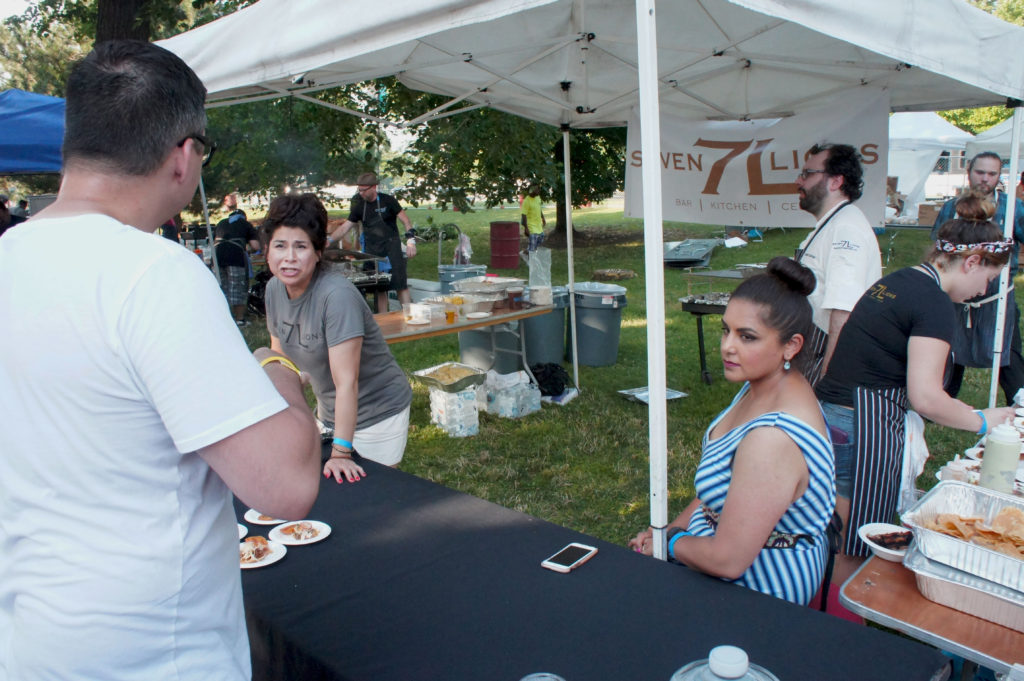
449 273
545 335
476 351
598 321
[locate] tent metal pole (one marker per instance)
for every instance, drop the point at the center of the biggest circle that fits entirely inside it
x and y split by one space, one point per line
1004 277
654 270
571 264
209 230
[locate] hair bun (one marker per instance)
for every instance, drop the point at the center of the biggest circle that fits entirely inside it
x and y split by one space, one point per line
975 205
795 276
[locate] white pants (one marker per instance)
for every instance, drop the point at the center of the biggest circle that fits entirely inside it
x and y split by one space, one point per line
383 442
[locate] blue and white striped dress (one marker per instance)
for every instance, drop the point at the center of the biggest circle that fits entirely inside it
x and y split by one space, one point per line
792 574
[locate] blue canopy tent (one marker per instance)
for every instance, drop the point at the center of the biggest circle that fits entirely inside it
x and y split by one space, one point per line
31 132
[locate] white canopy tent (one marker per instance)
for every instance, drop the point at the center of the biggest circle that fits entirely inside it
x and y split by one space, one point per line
916 139
585 63
997 139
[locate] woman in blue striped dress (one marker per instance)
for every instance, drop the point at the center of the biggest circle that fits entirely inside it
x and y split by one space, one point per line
765 484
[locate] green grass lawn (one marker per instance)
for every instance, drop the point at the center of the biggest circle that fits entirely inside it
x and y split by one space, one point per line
585 465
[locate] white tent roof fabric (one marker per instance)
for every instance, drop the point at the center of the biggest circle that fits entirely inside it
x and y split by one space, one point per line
996 138
924 130
729 59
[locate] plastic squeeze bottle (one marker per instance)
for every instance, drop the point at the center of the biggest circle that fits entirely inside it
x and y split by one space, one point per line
1002 454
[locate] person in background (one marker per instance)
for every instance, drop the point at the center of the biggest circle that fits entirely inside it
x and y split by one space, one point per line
232 237
119 450
533 218
1020 188
21 210
891 356
765 482
379 214
841 250
172 229
976 320
319 319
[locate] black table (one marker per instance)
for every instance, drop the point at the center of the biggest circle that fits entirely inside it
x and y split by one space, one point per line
419 582
699 310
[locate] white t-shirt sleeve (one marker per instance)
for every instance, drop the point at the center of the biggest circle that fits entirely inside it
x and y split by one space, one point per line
185 352
848 268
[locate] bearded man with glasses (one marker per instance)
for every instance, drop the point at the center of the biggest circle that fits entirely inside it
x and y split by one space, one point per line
841 250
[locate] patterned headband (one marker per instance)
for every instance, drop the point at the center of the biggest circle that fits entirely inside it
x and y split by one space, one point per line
990 246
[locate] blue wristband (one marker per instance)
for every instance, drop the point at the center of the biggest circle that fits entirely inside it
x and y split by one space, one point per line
984 422
343 443
670 547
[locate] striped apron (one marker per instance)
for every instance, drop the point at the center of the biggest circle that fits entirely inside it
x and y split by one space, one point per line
879 423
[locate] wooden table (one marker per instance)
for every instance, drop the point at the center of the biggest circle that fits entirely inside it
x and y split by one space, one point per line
886 593
395 330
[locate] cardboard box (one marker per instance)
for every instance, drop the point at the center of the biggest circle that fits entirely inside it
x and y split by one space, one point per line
927 212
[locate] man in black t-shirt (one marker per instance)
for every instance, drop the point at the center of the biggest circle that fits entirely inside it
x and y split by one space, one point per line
379 215
231 237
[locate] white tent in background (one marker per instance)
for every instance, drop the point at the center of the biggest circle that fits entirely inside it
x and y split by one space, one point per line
916 139
997 139
586 63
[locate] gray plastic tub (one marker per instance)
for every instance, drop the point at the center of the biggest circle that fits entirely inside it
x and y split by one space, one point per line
449 273
598 322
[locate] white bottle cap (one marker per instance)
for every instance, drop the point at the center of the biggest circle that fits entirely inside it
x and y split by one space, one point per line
728 662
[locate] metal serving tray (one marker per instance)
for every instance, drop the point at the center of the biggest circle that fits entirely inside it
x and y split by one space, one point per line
965 592
965 500
474 379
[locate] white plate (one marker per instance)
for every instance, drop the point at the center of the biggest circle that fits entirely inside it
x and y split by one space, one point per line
254 516
417 322
277 534
881 551
1018 422
277 552
1020 411
974 453
242 530
478 315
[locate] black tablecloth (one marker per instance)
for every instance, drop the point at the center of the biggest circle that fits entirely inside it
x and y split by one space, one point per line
418 581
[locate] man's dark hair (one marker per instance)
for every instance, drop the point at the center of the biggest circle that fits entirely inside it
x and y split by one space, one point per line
843 160
128 104
985 154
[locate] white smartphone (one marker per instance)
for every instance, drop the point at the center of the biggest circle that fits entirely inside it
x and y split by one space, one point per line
569 558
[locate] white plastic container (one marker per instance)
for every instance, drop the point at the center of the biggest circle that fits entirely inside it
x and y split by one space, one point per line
724 662
1002 454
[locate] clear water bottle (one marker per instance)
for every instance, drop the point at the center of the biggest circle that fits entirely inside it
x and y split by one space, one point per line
724 662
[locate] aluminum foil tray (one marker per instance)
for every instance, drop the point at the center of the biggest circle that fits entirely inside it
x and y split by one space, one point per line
965 592
965 500
476 378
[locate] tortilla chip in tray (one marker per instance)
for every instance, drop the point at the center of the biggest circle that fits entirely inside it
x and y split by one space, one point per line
451 377
992 521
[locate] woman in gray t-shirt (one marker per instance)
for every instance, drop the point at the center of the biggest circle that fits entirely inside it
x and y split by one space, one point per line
320 320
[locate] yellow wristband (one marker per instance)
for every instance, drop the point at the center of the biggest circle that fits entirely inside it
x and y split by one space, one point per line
283 360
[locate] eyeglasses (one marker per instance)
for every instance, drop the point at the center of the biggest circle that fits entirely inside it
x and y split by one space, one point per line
208 147
805 173
365 188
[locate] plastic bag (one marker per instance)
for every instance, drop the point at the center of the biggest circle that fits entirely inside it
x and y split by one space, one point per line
540 267
464 251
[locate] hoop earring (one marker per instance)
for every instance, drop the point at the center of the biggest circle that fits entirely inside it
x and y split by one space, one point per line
786 365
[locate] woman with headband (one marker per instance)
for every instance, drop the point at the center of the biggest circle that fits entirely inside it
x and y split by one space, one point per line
893 354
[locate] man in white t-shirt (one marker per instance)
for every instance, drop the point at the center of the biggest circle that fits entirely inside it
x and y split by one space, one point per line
841 250
119 448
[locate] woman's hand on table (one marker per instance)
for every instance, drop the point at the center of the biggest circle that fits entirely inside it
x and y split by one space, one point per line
643 542
339 467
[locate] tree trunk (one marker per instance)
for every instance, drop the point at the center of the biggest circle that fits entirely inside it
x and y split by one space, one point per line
120 19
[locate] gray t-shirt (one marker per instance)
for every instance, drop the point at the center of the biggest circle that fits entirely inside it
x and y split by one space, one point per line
329 312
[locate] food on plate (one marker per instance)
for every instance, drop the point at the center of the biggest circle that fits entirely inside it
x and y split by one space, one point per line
897 541
300 531
266 518
449 373
1005 534
254 549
